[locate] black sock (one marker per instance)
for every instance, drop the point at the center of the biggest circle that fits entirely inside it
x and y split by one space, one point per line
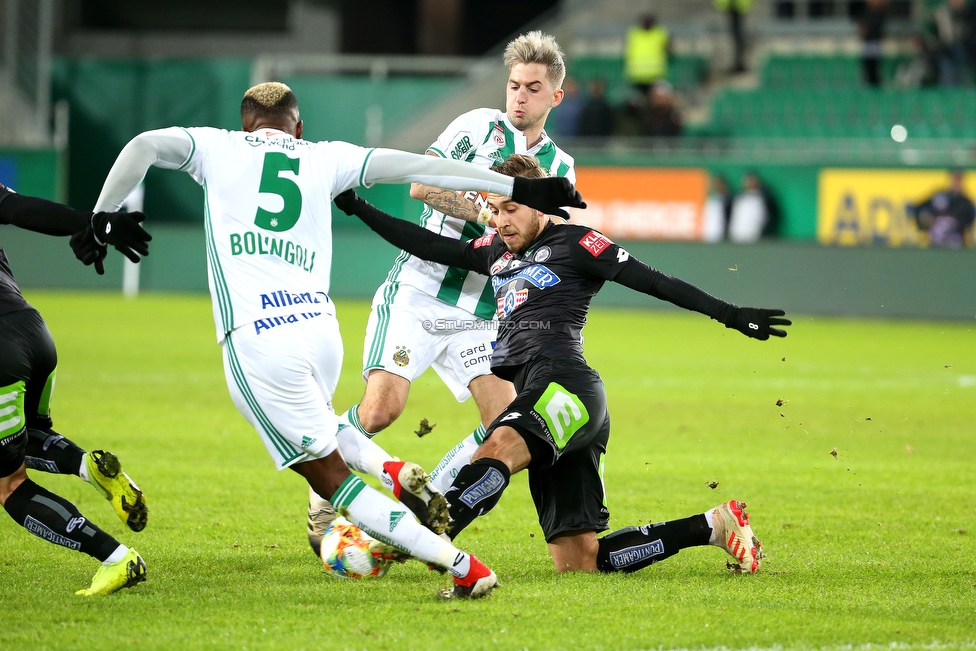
475 491
57 521
634 548
48 451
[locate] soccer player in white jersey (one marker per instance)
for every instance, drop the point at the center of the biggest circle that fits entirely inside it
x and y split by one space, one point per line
457 305
269 246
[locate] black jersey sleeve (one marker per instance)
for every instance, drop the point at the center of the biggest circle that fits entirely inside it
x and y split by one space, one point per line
598 255
419 241
40 215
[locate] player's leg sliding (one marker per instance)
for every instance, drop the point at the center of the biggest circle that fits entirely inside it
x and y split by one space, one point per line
475 491
634 548
55 519
726 526
459 456
49 451
385 520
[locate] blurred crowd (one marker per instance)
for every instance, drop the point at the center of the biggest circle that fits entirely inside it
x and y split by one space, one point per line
944 41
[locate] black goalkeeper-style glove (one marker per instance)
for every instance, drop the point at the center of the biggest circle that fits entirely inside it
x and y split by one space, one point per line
123 230
348 201
756 322
547 194
88 250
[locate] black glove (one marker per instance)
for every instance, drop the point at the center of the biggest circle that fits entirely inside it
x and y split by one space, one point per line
88 250
548 194
124 231
756 322
348 201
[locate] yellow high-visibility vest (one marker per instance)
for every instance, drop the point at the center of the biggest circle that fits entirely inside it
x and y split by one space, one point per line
646 55
742 6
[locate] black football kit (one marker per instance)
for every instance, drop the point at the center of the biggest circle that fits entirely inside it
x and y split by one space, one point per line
28 360
542 299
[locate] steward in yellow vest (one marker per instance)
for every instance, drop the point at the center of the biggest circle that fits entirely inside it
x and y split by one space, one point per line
646 54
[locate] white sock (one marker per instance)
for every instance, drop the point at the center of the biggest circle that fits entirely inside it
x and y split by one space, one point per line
360 452
117 555
459 456
712 539
391 522
83 470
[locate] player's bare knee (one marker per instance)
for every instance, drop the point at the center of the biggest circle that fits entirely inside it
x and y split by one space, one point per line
10 483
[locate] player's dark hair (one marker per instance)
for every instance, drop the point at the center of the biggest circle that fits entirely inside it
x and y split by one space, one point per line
521 165
271 100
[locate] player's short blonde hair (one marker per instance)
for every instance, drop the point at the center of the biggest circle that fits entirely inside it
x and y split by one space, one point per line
269 99
536 47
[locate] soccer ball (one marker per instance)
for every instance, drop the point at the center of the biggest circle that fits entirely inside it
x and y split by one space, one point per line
345 552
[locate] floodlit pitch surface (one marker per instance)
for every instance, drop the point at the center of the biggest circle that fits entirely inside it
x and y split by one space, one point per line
870 548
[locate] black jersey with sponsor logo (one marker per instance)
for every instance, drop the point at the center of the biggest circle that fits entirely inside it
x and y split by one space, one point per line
542 295
11 300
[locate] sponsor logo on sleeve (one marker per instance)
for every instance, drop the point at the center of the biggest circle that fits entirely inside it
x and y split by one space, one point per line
462 147
500 263
484 240
595 243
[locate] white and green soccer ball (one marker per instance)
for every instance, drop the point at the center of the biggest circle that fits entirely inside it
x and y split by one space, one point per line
346 552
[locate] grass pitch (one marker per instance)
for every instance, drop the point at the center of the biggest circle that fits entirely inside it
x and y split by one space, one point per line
851 441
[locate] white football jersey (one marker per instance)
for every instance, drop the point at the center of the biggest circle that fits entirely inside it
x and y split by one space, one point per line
269 221
484 137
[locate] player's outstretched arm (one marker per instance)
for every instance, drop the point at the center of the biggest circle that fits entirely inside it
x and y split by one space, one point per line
548 194
407 236
601 257
40 215
448 202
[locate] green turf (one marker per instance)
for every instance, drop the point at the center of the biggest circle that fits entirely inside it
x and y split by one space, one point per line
872 549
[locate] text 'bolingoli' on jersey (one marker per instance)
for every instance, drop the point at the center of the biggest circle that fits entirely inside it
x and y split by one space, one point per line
484 137
268 221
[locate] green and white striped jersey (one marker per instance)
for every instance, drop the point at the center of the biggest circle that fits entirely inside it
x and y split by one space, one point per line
484 137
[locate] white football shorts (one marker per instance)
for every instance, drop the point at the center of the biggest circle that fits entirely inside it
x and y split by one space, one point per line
409 331
282 374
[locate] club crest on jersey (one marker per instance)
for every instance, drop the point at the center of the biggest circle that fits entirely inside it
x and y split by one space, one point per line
402 356
537 274
500 263
511 301
499 135
484 240
595 243
542 254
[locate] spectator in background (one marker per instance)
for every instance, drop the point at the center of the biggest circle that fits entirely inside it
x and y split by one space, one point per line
736 10
566 116
872 33
953 28
659 117
922 70
948 216
596 118
717 208
755 214
646 54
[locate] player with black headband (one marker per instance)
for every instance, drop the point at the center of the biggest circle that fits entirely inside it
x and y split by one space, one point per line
28 360
544 275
